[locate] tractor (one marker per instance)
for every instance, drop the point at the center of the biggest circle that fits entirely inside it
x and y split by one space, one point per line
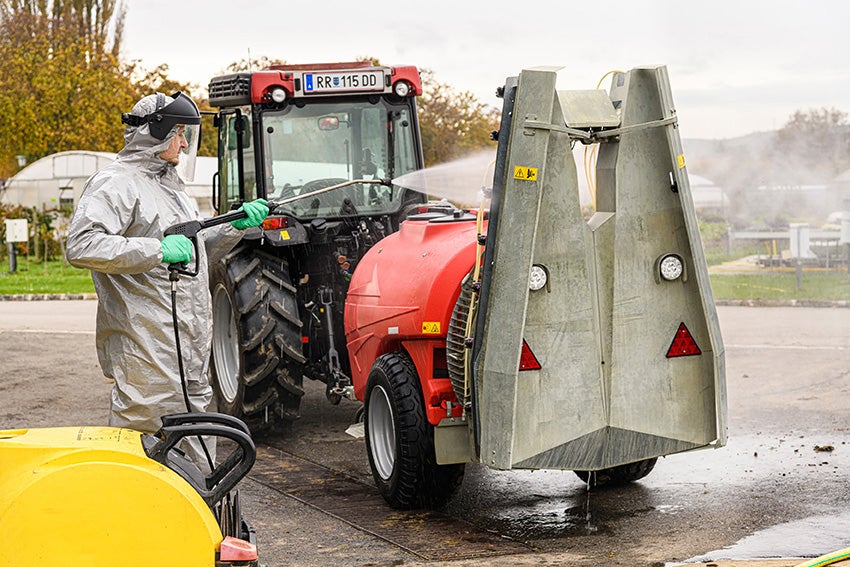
327 139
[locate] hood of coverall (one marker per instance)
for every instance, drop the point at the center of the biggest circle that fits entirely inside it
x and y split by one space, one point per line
142 148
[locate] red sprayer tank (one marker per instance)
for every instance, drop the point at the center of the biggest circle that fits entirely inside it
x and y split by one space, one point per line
401 298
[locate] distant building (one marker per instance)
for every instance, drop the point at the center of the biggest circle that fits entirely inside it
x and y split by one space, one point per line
58 180
809 201
201 188
53 181
706 195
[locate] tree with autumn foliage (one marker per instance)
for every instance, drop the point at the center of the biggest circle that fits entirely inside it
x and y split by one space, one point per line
63 83
453 123
816 142
61 80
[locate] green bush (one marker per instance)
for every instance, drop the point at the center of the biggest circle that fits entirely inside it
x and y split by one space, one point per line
713 233
41 225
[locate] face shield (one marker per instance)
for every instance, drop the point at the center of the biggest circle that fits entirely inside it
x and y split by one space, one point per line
185 167
181 110
175 118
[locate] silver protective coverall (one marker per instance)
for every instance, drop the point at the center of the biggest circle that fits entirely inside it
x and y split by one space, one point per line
116 232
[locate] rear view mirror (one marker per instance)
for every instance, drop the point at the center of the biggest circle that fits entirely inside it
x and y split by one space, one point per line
328 123
245 132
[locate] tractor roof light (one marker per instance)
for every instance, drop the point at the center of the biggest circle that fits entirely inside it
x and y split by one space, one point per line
538 278
670 267
278 95
401 88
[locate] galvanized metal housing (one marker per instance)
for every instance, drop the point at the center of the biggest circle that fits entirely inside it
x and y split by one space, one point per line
607 393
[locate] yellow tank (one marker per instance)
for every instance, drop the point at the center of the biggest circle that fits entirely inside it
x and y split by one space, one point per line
91 496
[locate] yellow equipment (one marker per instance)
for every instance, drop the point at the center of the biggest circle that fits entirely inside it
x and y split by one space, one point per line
102 496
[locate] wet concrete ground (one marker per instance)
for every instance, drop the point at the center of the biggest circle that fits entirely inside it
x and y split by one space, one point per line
778 489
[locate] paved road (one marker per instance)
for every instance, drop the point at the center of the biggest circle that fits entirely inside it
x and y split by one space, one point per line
768 493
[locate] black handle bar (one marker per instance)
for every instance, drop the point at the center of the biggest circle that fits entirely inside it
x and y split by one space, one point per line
223 477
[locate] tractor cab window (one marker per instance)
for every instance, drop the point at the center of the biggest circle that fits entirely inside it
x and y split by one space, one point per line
228 149
325 144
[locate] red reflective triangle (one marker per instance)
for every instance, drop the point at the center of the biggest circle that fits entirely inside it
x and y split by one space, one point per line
683 344
527 360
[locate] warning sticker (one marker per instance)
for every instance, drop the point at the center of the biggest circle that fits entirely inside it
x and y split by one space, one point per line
680 159
430 327
284 235
525 173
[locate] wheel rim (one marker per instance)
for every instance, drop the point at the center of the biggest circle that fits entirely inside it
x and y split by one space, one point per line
381 432
225 345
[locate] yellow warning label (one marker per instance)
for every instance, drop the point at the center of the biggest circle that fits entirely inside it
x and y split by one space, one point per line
284 235
681 160
430 327
525 173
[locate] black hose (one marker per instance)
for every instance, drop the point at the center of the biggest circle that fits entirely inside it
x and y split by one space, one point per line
174 276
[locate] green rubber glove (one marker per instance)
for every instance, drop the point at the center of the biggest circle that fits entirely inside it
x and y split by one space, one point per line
256 211
176 249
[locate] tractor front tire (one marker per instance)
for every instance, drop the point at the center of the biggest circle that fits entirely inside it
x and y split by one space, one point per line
256 346
400 440
618 476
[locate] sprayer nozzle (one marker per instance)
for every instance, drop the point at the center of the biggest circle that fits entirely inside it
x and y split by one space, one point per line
387 181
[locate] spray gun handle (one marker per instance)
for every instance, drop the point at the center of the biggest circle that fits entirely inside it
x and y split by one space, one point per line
226 474
190 230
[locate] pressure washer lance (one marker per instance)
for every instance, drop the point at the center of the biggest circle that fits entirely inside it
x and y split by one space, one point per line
190 230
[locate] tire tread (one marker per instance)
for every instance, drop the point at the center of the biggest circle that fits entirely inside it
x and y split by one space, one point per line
265 307
417 481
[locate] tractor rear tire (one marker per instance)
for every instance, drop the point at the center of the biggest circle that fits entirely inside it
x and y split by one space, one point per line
256 350
400 440
618 476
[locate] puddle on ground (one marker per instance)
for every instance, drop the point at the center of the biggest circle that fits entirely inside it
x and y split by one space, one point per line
547 519
811 537
536 505
539 505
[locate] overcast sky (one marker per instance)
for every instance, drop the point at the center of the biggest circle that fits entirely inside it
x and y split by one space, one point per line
735 66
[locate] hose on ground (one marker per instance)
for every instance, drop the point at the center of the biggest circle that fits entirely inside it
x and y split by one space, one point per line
827 559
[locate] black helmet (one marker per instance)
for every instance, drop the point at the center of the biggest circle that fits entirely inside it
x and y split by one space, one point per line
182 110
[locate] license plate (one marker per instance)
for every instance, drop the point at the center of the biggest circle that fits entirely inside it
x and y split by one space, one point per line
343 82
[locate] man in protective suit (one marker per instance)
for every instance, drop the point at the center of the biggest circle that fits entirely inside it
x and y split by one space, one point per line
117 233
